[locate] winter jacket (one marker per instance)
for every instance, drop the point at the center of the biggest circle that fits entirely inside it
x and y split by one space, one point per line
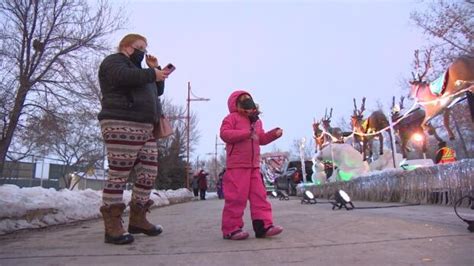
203 180
242 150
129 93
195 182
445 155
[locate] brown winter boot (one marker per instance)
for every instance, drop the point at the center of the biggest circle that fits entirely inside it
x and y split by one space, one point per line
114 232
138 222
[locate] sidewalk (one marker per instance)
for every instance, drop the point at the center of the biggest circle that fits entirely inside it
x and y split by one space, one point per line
314 235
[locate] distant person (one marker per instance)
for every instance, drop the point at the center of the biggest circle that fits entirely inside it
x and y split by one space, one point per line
195 185
130 108
202 183
243 134
328 169
445 154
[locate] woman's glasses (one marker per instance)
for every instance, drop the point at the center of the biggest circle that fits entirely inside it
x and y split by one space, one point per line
140 49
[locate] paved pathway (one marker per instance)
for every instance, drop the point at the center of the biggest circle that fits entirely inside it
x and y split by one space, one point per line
314 235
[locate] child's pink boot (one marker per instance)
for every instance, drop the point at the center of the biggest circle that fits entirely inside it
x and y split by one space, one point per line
237 235
273 230
262 232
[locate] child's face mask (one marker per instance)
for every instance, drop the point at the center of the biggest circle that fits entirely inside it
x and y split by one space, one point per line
247 104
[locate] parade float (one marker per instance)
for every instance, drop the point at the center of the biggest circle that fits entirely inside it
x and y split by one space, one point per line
390 176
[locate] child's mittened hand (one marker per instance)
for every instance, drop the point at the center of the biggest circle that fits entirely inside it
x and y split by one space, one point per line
279 132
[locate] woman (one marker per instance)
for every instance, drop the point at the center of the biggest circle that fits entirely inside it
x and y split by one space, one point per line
130 108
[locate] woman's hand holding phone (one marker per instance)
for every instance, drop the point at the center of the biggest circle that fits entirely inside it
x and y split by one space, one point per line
169 68
161 74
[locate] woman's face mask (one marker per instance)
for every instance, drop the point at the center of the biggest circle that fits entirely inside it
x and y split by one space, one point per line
137 57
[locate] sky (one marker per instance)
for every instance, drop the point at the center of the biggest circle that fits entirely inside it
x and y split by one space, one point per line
37 207
296 58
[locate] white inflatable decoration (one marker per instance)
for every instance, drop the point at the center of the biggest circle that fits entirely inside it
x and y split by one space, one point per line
385 161
347 160
318 176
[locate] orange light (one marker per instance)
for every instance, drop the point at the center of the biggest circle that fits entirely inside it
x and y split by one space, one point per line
417 137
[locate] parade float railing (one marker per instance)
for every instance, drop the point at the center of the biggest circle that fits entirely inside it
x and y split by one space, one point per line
437 184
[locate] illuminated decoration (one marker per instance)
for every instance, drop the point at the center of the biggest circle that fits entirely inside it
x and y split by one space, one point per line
409 167
345 159
303 168
280 194
443 100
345 176
308 198
319 176
417 137
342 200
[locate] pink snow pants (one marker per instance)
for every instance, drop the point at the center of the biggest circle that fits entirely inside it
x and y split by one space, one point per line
240 185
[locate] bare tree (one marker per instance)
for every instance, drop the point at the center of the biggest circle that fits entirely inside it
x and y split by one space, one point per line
172 150
450 25
42 46
73 138
307 148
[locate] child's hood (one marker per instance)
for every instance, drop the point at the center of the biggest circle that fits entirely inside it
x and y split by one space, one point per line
232 101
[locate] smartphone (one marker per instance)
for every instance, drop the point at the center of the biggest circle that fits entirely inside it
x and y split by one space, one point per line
170 67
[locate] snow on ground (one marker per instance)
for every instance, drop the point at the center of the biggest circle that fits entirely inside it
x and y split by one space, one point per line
36 207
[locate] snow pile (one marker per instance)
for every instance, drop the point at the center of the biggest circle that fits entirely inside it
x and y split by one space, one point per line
37 207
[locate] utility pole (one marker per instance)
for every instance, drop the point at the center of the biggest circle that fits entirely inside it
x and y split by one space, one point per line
215 168
188 128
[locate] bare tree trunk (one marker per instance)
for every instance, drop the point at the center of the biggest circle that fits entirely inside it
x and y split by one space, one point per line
13 122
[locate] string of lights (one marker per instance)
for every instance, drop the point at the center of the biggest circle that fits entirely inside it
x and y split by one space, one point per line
442 100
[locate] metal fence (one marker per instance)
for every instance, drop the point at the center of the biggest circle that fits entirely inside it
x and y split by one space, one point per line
44 174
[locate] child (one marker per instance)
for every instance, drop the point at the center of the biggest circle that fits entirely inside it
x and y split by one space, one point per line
243 134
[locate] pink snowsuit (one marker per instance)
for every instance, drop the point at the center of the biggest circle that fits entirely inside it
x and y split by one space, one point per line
242 180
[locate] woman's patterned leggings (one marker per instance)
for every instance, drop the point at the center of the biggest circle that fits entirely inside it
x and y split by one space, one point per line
130 146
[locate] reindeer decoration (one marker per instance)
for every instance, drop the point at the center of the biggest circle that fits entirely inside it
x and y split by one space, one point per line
334 131
374 123
318 135
438 100
409 126
321 139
